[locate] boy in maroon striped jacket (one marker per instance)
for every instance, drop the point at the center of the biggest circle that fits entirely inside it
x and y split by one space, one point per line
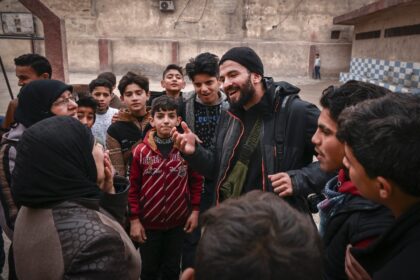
164 195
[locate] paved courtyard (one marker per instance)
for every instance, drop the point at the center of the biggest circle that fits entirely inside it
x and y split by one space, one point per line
310 89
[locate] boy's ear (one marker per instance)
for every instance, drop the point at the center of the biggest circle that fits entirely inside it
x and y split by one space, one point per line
45 76
178 122
152 123
122 97
162 83
183 83
147 95
384 188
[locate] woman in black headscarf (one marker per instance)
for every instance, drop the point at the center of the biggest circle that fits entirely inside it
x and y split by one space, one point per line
62 231
38 100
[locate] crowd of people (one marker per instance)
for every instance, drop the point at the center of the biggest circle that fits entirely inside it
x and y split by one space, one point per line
217 183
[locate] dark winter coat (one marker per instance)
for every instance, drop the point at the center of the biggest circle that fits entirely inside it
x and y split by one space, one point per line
356 220
122 137
395 255
286 145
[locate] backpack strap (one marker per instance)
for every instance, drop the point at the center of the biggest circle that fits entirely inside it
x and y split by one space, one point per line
281 117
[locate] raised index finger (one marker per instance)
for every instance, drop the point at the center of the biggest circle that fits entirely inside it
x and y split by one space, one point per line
185 127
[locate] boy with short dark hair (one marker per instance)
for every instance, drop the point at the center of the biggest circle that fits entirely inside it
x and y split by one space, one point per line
163 189
257 236
345 216
382 151
101 91
110 77
29 67
201 111
86 110
173 82
133 121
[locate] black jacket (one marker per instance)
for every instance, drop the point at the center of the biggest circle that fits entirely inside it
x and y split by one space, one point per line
358 219
286 144
395 255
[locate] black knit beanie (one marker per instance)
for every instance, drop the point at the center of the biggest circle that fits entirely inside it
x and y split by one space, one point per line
35 100
246 57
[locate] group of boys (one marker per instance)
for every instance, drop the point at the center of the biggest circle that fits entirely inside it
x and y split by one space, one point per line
365 139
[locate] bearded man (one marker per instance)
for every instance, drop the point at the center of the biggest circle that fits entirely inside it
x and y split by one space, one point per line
264 140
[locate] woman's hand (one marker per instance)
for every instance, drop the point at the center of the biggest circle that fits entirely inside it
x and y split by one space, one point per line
108 185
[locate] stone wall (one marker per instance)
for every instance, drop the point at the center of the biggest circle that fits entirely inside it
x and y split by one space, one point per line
142 37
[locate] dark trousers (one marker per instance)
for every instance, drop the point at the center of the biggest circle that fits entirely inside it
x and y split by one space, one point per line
317 72
191 239
161 254
190 247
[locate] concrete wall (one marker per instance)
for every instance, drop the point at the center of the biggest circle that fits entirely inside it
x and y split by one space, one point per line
141 36
403 48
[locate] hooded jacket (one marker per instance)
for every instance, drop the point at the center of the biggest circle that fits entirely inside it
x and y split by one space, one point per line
356 221
188 108
163 191
285 145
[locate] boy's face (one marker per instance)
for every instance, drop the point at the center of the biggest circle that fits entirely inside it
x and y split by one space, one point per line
207 88
366 185
164 121
173 81
86 116
103 96
27 74
135 98
330 150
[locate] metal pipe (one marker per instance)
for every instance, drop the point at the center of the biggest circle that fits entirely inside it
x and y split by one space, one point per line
7 80
17 37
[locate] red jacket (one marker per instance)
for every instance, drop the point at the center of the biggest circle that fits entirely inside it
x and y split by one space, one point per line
162 190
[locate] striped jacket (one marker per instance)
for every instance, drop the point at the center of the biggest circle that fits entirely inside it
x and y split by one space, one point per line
163 191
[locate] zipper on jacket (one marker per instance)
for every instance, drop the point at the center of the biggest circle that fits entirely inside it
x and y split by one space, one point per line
230 160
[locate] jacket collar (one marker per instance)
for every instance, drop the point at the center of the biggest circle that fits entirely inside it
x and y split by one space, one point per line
222 98
149 140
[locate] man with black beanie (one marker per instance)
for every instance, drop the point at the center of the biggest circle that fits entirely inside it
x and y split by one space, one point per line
263 141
